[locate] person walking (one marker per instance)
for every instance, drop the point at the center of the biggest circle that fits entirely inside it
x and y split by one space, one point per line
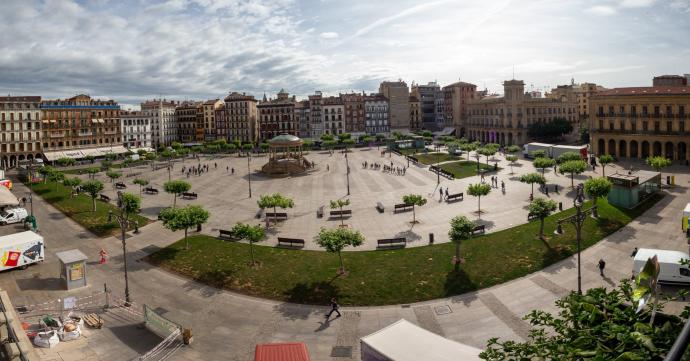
602 265
503 186
446 193
634 252
334 308
440 194
103 254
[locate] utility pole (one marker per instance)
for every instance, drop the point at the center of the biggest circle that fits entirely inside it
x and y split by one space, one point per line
347 164
249 174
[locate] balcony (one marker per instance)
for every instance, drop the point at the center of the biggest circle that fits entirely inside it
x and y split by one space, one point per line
57 134
110 132
85 134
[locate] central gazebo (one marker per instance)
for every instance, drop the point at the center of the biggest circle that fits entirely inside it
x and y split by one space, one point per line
285 156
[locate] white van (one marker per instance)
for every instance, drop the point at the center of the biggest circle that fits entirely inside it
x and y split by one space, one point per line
13 215
670 269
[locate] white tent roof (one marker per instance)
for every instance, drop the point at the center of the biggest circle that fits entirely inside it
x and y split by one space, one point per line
686 211
7 198
404 341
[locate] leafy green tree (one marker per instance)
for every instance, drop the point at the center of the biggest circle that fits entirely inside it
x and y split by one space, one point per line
427 134
93 188
340 203
344 136
129 204
45 171
65 161
329 144
150 156
573 167
596 325
415 200
478 190
531 179
113 175
487 152
176 145
141 182
658 163
334 240
56 177
252 234
166 154
71 183
110 157
106 164
230 147
92 172
542 208
468 147
535 154
264 146
568 156
460 230
90 158
584 135
512 159
247 147
141 152
513 149
597 188
308 144
543 163
176 219
348 143
368 140
274 201
327 137
604 160
176 187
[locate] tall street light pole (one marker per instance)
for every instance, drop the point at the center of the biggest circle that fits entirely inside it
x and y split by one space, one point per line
249 174
347 165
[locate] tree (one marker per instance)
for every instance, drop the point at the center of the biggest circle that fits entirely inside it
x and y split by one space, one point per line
658 163
460 229
274 201
176 187
251 233
584 135
596 325
542 208
90 158
478 190
72 183
93 188
176 145
113 175
543 163
45 172
329 144
538 154
247 147
308 144
512 159
605 160
129 204
65 161
327 137
141 182
348 143
340 203
552 130
414 200
468 147
513 149
344 136
56 177
264 146
597 188
106 164
487 152
150 156
573 167
176 219
92 172
141 152
568 156
368 140
531 179
334 240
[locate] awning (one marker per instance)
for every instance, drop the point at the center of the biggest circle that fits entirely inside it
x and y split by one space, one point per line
101 121
445 131
81 153
281 352
94 120
404 341
7 198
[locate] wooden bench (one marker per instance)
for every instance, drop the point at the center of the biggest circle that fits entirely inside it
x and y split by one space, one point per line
120 185
189 195
104 198
391 243
453 197
150 190
531 216
277 215
479 229
226 234
380 207
402 207
291 242
319 212
343 213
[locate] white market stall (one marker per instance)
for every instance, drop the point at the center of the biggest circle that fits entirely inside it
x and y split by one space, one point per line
7 198
405 341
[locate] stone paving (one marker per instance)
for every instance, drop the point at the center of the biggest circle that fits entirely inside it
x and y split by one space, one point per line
227 325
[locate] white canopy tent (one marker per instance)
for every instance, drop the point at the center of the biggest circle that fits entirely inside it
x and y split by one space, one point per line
81 153
405 341
7 198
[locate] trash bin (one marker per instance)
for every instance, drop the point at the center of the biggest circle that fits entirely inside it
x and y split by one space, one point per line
431 238
668 179
560 206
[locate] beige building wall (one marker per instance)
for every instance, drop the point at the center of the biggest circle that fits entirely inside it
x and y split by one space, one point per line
209 125
398 95
456 100
20 132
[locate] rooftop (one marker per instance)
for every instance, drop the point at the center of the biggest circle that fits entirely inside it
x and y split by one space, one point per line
646 90
641 176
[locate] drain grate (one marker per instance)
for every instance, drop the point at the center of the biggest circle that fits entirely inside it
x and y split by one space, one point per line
341 351
442 310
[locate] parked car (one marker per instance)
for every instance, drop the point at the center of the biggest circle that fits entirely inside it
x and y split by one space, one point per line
13 215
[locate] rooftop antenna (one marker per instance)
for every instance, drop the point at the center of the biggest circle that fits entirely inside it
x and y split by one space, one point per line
513 71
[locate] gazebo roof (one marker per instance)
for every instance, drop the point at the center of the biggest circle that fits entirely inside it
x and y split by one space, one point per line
285 140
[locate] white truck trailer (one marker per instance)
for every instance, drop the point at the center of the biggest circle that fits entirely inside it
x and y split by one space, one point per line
19 250
531 147
557 150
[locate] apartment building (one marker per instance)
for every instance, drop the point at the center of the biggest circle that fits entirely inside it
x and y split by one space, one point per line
136 130
398 95
20 140
161 115
209 121
354 112
186 120
456 97
277 116
376 114
333 112
240 119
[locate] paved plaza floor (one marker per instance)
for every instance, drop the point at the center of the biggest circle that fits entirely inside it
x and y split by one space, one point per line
227 325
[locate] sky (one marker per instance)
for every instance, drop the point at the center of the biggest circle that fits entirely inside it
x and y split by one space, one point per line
131 50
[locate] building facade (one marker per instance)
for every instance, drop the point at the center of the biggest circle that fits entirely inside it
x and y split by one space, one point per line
416 113
636 123
354 112
398 95
240 118
456 97
161 115
333 112
302 118
505 120
209 125
376 114
186 120
670 80
277 116
427 96
136 129
80 123
20 118
316 127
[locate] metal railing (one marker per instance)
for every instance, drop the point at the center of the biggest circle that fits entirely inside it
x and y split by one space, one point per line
680 345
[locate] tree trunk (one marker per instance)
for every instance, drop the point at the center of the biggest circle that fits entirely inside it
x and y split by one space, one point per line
93 199
603 170
251 252
457 256
541 228
572 180
342 266
186 242
532 193
414 216
342 220
479 207
174 199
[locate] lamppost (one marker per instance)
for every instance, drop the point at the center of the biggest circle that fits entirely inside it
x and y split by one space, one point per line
577 220
438 170
347 165
123 222
249 174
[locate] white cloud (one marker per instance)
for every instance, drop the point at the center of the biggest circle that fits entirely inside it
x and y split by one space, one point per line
328 35
683 5
601 10
404 13
637 3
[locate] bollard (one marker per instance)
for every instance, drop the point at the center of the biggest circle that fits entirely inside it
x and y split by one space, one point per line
431 238
560 206
668 179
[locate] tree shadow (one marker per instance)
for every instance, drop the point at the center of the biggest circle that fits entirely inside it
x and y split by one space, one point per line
409 235
208 284
292 311
313 293
486 223
36 284
457 283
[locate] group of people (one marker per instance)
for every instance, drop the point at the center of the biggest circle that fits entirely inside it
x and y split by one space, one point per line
391 169
198 170
494 182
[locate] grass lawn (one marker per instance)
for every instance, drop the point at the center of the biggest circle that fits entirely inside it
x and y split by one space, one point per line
464 169
386 277
433 158
80 208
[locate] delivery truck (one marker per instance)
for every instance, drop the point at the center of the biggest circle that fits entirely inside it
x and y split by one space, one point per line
528 148
20 250
557 150
670 269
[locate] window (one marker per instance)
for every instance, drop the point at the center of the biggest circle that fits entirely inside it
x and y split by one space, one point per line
633 110
669 126
684 272
645 126
644 110
656 126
